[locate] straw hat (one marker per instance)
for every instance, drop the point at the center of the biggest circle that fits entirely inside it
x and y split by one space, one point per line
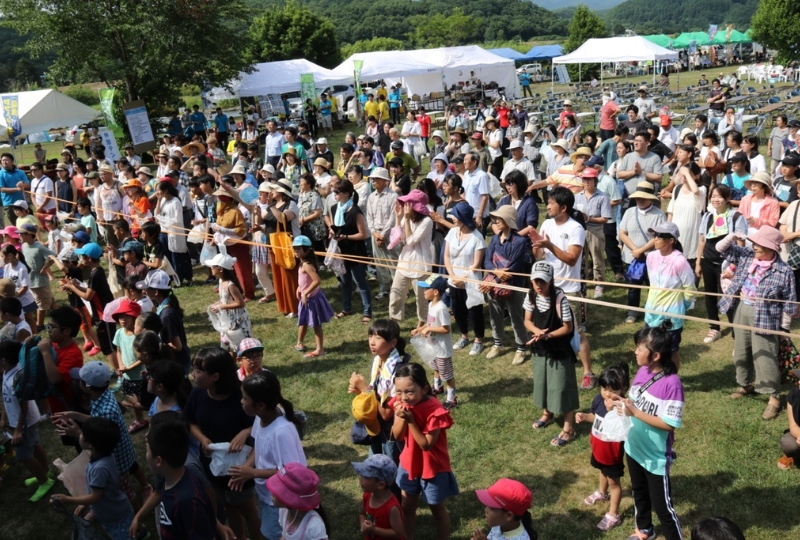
193 148
291 150
489 119
644 190
582 151
224 169
222 193
321 162
458 129
105 167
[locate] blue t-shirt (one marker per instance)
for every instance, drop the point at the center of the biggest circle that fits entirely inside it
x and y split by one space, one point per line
103 474
525 79
325 107
10 180
363 98
221 121
650 446
394 99
175 126
198 120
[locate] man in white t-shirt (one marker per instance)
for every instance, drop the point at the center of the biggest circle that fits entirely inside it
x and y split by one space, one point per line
476 187
42 193
561 244
647 107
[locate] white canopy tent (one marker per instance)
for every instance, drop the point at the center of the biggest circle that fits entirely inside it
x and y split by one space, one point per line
278 78
430 70
43 110
617 49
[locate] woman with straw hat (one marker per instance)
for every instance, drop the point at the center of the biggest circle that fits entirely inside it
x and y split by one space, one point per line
231 223
762 296
286 213
759 207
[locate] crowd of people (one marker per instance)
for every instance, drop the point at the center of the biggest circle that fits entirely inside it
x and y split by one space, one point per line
637 203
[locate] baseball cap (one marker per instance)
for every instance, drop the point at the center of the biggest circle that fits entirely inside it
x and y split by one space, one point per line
155 279
665 119
68 256
322 140
515 144
91 250
301 241
378 466
793 123
595 160
93 373
589 173
666 227
28 228
247 345
220 259
508 495
134 246
458 159
542 270
791 159
82 237
20 204
434 281
397 145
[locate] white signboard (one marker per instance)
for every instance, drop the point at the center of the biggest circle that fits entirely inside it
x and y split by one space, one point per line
110 142
139 124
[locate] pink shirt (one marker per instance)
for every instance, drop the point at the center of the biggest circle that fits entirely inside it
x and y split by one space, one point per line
607 116
768 215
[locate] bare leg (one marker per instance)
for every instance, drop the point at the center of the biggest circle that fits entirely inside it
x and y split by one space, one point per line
318 339
615 490
30 318
442 518
301 334
410 503
586 355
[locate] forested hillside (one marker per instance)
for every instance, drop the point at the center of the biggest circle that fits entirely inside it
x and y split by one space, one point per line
656 16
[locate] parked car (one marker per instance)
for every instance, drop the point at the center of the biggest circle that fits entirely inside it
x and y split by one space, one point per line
343 94
536 67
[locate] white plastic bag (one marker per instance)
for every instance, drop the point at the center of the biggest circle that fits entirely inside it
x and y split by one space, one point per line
331 261
219 320
615 427
73 474
424 349
474 296
222 461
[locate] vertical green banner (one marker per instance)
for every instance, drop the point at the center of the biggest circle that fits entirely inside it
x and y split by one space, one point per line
358 65
107 105
307 88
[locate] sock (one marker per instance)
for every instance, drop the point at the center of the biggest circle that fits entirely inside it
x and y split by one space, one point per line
451 394
437 383
43 489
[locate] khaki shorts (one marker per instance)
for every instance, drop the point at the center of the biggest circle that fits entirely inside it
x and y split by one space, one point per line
43 297
578 310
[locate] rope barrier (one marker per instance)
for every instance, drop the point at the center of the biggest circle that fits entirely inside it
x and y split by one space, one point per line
423 268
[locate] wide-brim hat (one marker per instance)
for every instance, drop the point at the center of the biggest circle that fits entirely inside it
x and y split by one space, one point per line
145 171
222 193
238 169
762 177
768 237
438 133
508 214
644 190
560 143
489 119
192 148
582 151
458 129
465 213
418 201
321 162
105 168
296 486
379 172
291 150
282 186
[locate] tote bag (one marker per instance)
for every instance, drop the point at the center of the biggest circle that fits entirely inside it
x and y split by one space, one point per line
281 243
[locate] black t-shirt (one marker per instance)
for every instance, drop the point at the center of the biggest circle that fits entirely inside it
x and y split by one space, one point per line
661 150
172 326
155 251
99 284
186 511
219 420
404 183
75 272
327 154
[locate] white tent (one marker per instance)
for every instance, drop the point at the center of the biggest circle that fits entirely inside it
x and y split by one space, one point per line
617 49
278 78
429 70
42 110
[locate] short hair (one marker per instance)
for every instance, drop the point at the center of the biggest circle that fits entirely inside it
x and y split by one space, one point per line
11 305
519 179
563 197
122 224
633 108
205 179
9 351
252 146
708 134
347 147
84 202
67 317
102 433
170 441
716 528
715 81
655 129
643 134
368 138
152 228
621 130
703 118
202 165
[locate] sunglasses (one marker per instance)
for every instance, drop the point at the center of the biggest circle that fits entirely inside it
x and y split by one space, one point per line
663 236
336 192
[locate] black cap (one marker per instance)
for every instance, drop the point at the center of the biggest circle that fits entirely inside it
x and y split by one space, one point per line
792 159
793 123
739 157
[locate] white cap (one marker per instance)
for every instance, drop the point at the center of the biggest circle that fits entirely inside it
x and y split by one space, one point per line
221 259
20 204
322 140
269 168
155 279
515 144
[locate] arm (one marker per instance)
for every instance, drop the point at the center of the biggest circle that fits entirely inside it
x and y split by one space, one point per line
92 498
238 299
569 257
49 362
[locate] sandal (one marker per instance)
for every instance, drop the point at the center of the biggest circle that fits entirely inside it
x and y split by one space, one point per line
743 391
314 354
300 347
785 463
137 426
366 319
342 314
543 422
266 299
562 441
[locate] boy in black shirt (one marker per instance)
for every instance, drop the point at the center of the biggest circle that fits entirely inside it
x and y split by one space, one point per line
153 250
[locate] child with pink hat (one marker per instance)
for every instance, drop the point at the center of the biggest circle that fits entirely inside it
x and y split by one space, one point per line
295 491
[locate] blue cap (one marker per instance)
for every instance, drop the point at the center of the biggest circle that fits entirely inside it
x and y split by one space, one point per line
378 466
434 281
91 250
301 241
595 160
82 237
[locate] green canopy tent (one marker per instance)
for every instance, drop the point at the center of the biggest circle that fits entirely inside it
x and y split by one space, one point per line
683 40
661 40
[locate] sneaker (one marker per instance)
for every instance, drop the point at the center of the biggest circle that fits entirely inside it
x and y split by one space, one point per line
381 295
43 490
712 336
494 352
94 351
460 344
291 316
519 358
438 391
588 382
323 268
598 292
594 497
477 348
647 534
450 405
630 320
609 522
210 280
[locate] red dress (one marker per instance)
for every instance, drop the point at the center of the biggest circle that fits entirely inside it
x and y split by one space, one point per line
380 516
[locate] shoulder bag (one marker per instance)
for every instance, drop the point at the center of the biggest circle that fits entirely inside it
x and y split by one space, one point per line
637 268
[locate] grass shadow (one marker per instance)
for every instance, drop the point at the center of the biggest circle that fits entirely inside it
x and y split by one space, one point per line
500 389
709 381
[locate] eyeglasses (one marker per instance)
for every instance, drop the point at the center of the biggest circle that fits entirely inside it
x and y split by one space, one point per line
254 357
52 327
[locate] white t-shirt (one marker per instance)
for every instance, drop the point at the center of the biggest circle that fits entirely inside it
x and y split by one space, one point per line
494 137
19 275
570 233
11 403
40 188
146 303
10 330
275 445
438 315
476 185
462 252
310 528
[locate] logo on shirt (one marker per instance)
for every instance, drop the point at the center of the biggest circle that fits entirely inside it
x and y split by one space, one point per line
163 517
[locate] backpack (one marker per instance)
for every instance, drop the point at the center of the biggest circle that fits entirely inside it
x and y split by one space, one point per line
31 382
575 339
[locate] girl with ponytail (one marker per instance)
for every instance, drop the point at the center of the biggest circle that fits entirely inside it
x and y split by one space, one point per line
276 444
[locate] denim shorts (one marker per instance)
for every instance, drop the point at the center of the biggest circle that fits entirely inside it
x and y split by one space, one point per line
270 526
30 438
434 491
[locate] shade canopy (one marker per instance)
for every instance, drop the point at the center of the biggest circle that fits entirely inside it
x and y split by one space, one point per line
507 52
544 52
616 49
43 110
662 40
278 78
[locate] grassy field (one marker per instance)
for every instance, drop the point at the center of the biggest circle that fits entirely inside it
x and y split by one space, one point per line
726 464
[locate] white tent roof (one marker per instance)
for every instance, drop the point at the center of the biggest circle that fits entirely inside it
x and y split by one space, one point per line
616 49
42 110
278 78
390 65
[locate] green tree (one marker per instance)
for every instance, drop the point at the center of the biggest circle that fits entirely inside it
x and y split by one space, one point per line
774 26
146 50
25 73
292 31
372 45
438 30
585 25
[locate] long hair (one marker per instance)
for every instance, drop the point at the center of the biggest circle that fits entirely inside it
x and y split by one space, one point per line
214 360
150 344
308 256
230 275
264 387
428 187
11 250
658 341
169 374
